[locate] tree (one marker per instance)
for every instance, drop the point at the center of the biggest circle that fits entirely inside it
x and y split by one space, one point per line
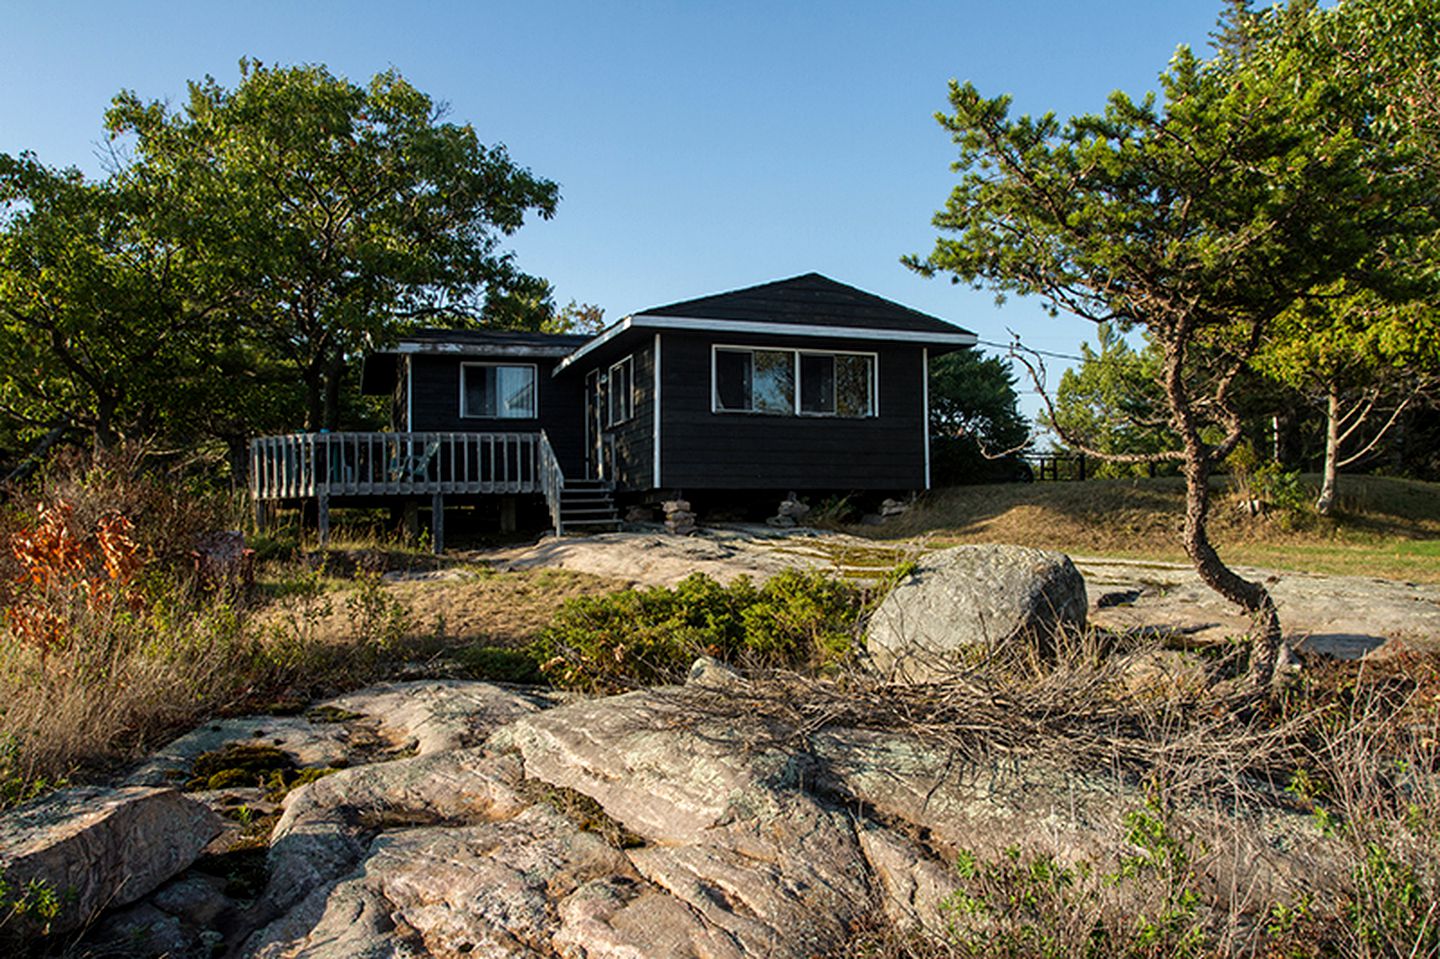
1199 218
973 395
975 419
1363 360
1112 403
105 313
354 211
1363 351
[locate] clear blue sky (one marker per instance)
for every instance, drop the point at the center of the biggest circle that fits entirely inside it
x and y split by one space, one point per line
699 147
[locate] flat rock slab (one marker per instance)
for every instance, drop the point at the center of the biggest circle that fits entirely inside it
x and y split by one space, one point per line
97 848
1343 616
436 715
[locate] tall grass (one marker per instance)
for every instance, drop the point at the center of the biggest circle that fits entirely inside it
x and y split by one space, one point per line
110 644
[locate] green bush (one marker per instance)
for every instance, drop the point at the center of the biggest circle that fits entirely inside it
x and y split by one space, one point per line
641 637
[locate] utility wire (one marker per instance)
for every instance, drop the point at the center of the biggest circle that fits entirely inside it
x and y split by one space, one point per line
1057 356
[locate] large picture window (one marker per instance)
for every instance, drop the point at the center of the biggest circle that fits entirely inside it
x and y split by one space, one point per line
497 391
794 381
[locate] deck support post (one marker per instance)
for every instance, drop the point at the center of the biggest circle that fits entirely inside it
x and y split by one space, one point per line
508 522
412 521
437 522
262 515
322 517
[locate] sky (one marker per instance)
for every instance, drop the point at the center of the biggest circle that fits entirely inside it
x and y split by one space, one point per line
699 147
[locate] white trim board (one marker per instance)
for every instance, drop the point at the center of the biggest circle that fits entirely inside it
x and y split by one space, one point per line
655 431
683 323
925 407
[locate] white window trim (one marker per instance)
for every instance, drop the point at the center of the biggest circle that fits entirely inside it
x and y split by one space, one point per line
795 353
534 385
609 379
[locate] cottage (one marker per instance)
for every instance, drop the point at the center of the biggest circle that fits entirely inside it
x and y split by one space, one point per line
800 384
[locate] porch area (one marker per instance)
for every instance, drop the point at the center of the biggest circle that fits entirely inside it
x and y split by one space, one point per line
323 467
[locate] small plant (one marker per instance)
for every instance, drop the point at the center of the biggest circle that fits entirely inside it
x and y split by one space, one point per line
378 618
641 637
66 572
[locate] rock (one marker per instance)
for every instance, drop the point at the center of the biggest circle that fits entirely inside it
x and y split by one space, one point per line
678 517
965 601
194 899
438 714
640 514
913 884
893 507
141 930
327 825
709 671
730 829
1163 672
780 522
102 847
306 743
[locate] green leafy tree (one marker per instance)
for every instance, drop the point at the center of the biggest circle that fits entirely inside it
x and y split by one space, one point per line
973 395
1364 350
1112 404
354 211
1362 360
107 312
975 421
1198 216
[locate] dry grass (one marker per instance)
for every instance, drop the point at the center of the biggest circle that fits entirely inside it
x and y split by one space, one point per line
1352 746
1383 527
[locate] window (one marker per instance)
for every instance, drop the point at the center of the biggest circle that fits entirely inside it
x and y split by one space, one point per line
770 381
495 391
620 391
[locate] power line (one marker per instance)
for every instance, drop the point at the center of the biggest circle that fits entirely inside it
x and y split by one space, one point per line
1057 356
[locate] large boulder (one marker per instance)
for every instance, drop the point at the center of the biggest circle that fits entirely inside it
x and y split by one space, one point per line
96 847
967 601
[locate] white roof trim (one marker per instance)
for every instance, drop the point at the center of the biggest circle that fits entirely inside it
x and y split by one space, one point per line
958 338
449 348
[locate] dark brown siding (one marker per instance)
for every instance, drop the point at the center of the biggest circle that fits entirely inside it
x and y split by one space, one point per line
705 450
634 439
435 404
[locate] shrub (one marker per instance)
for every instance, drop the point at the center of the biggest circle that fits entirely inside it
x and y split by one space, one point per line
640 637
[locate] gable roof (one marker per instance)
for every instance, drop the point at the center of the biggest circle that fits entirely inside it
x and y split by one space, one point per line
810 299
808 305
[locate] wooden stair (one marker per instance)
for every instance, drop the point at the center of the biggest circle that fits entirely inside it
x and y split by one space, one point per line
588 506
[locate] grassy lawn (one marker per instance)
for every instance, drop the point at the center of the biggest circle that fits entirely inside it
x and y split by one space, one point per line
1384 527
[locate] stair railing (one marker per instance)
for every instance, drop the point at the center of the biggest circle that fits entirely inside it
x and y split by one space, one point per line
552 482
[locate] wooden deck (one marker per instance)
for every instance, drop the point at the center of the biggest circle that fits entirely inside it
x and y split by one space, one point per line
322 466
309 465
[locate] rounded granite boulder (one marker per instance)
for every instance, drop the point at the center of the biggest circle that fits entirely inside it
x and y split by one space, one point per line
962 602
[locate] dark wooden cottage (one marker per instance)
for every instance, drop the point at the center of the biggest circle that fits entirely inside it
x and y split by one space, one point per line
802 384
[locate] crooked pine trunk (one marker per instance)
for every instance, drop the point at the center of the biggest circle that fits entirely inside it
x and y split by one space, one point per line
1326 502
1254 598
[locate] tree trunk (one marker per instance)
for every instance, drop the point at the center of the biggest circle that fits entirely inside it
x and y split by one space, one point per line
1326 502
104 432
1253 598
314 398
334 377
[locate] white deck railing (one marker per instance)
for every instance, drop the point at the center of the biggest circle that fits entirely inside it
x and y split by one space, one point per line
552 482
304 465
